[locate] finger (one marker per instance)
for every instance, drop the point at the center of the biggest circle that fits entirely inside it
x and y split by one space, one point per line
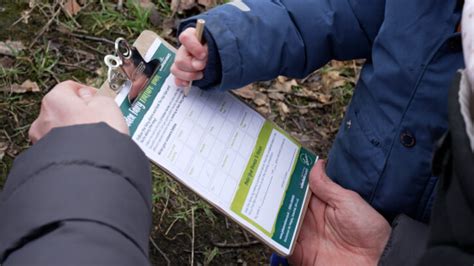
67 86
189 64
37 130
64 93
180 82
183 75
189 40
198 65
183 60
107 111
33 132
323 187
86 93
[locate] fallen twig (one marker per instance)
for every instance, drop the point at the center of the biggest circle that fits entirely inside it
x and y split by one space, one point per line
236 245
91 38
165 208
246 236
192 236
25 15
168 262
226 223
92 48
69 15
46 27
171 226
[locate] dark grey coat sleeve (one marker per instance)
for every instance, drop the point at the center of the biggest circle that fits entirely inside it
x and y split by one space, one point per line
406 244
80 196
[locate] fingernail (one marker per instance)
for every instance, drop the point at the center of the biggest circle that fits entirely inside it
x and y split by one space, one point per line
85 93
202 56
196 64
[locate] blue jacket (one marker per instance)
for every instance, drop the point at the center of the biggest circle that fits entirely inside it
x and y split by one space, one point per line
385 143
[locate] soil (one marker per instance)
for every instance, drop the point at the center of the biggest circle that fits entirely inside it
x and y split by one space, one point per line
60 47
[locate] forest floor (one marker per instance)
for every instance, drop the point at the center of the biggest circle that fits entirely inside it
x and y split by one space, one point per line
54 41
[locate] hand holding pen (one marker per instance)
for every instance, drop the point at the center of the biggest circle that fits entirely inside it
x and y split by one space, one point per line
191 58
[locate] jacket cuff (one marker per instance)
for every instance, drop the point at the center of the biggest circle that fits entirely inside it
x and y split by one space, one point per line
407 242
225 50
213 72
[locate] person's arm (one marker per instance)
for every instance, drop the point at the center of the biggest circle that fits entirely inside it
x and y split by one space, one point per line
406 244
81 195
258 40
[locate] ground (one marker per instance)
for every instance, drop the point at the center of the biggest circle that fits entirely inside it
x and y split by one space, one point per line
58 42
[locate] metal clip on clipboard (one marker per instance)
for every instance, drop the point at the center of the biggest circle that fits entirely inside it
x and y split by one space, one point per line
127 70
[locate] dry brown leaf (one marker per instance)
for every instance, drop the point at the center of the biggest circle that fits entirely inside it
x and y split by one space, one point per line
11 47
3 148
27 86
323 98
246 92
178 6
174 5
283 108
284 86
331 75
303 111
337 64
307 92
30 86
329 79
282 79
260 99
289 85
279 87
71 7
293 82
264 110
207 3
338 83
276 96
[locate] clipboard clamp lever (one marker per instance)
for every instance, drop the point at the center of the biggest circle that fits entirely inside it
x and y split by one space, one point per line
127 70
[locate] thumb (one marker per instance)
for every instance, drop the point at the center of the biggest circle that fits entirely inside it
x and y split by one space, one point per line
86 93
323 187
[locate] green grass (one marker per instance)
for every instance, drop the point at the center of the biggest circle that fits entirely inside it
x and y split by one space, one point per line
59 56
132 21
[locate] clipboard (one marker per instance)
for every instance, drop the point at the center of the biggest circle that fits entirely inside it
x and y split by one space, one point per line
305 158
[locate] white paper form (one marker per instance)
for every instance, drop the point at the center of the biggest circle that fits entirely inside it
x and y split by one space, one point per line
225 151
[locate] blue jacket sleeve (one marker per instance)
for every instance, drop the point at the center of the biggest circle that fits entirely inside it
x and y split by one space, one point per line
80 196
261 39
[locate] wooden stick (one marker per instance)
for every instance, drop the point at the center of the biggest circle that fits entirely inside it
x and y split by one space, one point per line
168 262
192 239
199 30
